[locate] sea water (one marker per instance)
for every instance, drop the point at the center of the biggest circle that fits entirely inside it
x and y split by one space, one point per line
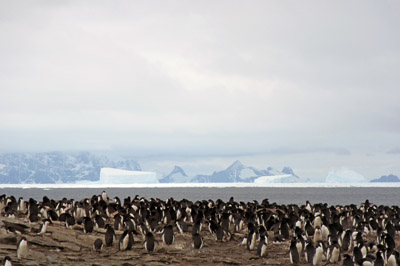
379 195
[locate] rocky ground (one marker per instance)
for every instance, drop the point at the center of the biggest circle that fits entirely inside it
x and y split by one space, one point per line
62 246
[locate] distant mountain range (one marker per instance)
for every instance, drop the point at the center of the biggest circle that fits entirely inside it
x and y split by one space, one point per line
64 167
387 178
237 172
57 167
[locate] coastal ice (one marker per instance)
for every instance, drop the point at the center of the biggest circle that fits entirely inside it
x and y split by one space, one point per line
276 179
345 176
198 185
118 176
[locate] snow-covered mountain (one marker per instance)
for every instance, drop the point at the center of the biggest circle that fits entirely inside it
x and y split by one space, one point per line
57 167
238 172
176 176
387 178
63 167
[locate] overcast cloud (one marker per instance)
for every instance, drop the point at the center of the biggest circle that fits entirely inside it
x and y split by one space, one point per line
201 77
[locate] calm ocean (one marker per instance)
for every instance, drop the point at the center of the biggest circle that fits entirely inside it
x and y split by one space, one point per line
281 195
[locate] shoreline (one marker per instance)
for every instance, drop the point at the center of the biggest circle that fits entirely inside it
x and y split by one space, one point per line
207 185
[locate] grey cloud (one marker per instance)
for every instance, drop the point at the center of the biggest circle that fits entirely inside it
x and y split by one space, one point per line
200 77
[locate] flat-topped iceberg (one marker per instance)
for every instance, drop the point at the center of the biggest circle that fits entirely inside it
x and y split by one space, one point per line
118 176
345 176
275 179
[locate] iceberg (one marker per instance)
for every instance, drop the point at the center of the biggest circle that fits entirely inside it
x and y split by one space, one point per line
345 176
275 179
118 176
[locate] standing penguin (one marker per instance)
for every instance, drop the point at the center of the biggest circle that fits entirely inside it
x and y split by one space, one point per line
98 245
88 225
168 235
300 244
69 220
182 226
325 232
104 196
196 227
197 241
126 240
43 227
310 251
319 251
7 261
379 261
358 257
284 229
309 229
317 235
347 261
251 240
99 221
346 242
149 242
393 258
21 205
22 248
109 236
334 253
262 246
294 253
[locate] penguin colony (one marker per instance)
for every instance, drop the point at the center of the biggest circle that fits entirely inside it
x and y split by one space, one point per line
313 234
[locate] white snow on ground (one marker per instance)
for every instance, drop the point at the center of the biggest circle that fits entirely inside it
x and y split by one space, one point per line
345 176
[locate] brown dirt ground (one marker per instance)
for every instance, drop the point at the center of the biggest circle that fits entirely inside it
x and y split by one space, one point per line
62 246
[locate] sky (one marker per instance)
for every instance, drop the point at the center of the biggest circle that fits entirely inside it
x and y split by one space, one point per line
314 84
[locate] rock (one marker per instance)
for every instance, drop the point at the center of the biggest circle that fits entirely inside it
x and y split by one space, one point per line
32 263
50 259
226 261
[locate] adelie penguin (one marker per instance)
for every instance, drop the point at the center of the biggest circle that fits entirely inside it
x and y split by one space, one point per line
310 251
43 227
98 245
168 235
317 235
126 240
7 261
294 255
262 246
357 255
196 227
318 255
182 226
347 261
69 220
99 221
346 241
149 242
109 236
379 261
393 258
22 248
334 253
197 241
251 240
88 225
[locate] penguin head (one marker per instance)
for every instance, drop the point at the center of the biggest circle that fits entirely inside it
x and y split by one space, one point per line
47 221
149 235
